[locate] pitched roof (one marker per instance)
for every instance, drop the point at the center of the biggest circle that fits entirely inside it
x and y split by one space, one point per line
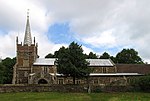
45 61
100 62
93 62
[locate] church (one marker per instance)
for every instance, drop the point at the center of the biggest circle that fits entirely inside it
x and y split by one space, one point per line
30 69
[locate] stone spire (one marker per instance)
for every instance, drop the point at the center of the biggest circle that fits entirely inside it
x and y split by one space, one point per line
27 37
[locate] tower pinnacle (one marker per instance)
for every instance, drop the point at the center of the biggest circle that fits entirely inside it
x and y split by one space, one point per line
27 37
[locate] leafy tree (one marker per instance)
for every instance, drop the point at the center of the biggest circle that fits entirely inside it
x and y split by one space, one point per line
91 56
60 52
2 67
105 55
71 62
49 56
8 70
113 59
63 58
128 56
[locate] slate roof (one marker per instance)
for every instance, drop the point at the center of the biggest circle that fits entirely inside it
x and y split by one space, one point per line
100 62
44 61
93 62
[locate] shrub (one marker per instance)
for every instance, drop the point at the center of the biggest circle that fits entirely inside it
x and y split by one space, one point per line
97 90
142 82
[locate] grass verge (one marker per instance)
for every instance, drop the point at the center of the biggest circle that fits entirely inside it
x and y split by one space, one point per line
55 96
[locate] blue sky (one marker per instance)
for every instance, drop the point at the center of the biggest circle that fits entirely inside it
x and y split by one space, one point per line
60 33
97 25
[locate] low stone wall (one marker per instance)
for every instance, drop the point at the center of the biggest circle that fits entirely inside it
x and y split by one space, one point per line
42 88
62 88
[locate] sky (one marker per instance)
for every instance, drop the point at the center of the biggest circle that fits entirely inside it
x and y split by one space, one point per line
98 25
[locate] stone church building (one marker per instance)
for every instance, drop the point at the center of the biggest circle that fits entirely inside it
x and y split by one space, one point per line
30 69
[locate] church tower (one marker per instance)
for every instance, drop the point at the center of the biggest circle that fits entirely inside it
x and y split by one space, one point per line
26 56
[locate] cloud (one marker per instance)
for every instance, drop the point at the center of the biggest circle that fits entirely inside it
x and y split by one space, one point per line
103 39
96 23
12 24
45 46
87 50
7 46
91 19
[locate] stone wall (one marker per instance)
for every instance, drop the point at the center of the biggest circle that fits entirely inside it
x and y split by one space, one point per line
26 55
62 88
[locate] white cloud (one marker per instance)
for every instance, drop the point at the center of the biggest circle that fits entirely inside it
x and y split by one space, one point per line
95 22
90 19
12 24
103 39
87 50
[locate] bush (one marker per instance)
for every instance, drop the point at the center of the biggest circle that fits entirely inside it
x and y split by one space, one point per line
97 90
142 82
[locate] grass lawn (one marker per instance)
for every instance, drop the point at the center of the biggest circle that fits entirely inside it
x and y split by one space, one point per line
54 96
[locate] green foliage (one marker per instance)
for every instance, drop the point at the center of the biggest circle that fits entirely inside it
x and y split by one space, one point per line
71 62
63 61
91 56
49 56
128 56
113 59
97 90
2 67
142 83
6 70
105 55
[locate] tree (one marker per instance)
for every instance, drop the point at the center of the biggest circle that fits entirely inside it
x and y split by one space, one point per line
113 59
71 62
49 56
2 67
128 56
91 56
6 70
105 55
